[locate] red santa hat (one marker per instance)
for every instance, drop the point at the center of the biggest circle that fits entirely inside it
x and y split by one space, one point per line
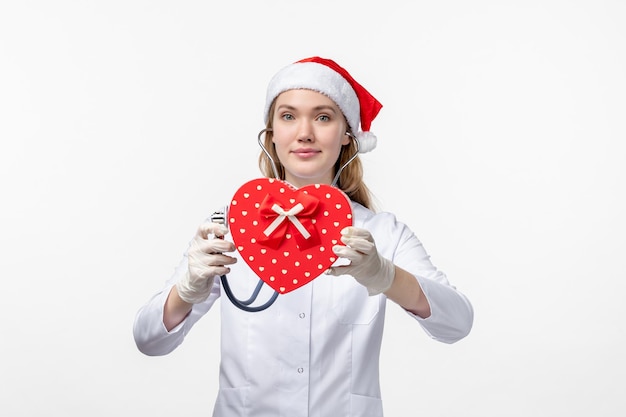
327 77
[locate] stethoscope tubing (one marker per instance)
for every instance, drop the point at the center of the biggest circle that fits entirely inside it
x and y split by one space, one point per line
245 305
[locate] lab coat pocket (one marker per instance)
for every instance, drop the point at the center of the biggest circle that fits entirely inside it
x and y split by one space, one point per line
231 402
351 302
362 406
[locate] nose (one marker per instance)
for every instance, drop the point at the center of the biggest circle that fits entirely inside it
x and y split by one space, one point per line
305 132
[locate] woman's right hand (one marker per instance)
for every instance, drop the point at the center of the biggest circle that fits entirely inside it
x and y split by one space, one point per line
206 261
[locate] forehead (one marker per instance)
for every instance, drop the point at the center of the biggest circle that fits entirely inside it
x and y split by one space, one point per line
304 98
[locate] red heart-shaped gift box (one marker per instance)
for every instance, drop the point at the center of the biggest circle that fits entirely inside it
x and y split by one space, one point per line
286 234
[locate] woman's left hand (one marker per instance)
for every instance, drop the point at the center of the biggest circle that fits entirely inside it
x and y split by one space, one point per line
367 266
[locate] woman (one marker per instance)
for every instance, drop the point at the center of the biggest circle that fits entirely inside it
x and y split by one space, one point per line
315 350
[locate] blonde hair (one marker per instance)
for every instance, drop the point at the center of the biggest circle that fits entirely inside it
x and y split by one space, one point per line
350 180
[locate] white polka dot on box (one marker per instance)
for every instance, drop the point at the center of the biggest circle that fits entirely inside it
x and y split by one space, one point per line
286 234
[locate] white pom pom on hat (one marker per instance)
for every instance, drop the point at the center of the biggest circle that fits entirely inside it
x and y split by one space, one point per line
327 77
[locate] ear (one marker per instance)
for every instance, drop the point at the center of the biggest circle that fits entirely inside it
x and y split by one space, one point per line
346 138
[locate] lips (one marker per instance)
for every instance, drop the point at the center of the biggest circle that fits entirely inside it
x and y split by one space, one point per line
306 152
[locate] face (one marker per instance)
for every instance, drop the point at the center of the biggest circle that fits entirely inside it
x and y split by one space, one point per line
308 132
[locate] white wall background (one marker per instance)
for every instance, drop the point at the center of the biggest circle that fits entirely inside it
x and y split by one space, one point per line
124 123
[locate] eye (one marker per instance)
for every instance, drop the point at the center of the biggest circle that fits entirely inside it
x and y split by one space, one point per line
287 116
323 118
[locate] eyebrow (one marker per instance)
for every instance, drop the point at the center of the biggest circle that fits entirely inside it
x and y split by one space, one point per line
317 108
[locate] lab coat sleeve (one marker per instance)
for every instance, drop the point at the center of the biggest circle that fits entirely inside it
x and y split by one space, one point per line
452 314
151 336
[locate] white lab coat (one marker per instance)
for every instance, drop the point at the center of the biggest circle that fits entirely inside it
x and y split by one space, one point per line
315 351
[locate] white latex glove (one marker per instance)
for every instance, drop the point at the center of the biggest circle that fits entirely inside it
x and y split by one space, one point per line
367 266
206 261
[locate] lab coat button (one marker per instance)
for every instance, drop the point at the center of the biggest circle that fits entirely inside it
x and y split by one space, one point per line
300 370
301 315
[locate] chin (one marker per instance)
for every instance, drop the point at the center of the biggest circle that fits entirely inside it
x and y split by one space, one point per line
303 179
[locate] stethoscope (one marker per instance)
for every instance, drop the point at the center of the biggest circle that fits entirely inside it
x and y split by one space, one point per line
221 217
